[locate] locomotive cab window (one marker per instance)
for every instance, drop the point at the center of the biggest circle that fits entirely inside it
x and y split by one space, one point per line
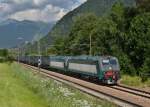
105 62
113 62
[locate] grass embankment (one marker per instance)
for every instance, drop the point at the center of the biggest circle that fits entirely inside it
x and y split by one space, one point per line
55 93
13 91
135 81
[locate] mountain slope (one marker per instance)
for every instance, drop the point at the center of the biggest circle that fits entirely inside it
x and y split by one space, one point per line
10 30
98 7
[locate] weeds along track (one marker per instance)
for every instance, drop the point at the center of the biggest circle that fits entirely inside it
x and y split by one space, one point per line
119 95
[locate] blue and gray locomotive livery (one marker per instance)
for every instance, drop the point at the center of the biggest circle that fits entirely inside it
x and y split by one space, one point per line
104 68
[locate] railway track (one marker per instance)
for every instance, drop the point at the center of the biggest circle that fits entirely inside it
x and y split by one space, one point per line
135 91
121 95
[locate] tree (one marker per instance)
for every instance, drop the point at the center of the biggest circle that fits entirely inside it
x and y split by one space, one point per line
3 52
143 5
138 40
60 46
104 36
117 15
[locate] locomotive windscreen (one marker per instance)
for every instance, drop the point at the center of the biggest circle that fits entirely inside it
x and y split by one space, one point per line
105 62
113 62
109 61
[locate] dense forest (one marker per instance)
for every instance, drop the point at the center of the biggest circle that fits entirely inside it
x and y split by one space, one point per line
124 33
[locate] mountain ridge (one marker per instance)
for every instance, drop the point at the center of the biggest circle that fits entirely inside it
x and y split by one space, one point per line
11 29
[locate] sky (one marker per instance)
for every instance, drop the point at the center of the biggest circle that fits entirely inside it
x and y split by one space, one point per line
36 10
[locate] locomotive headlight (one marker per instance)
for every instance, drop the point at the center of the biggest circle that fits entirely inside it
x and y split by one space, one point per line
110 68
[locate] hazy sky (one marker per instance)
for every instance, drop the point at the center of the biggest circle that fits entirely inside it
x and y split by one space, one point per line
36 10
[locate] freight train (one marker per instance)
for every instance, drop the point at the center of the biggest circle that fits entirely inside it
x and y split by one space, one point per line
105 69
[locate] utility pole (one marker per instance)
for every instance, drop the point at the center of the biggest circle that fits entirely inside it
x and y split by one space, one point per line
39 54
47 51
90 53
25 47
39 48
20 39
18 52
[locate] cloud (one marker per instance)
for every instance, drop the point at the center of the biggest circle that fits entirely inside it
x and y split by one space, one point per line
4 7
39 2
47 14
36 10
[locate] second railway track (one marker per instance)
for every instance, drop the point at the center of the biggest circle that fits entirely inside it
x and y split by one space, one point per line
132 91
120 95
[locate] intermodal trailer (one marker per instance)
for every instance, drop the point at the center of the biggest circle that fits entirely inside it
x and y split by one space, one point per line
45 62
57 62
34 60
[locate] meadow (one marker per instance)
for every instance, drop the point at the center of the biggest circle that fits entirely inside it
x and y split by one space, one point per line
20 87
14 92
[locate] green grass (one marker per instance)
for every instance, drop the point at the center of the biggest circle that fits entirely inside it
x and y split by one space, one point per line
55 93
14 93
135 81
